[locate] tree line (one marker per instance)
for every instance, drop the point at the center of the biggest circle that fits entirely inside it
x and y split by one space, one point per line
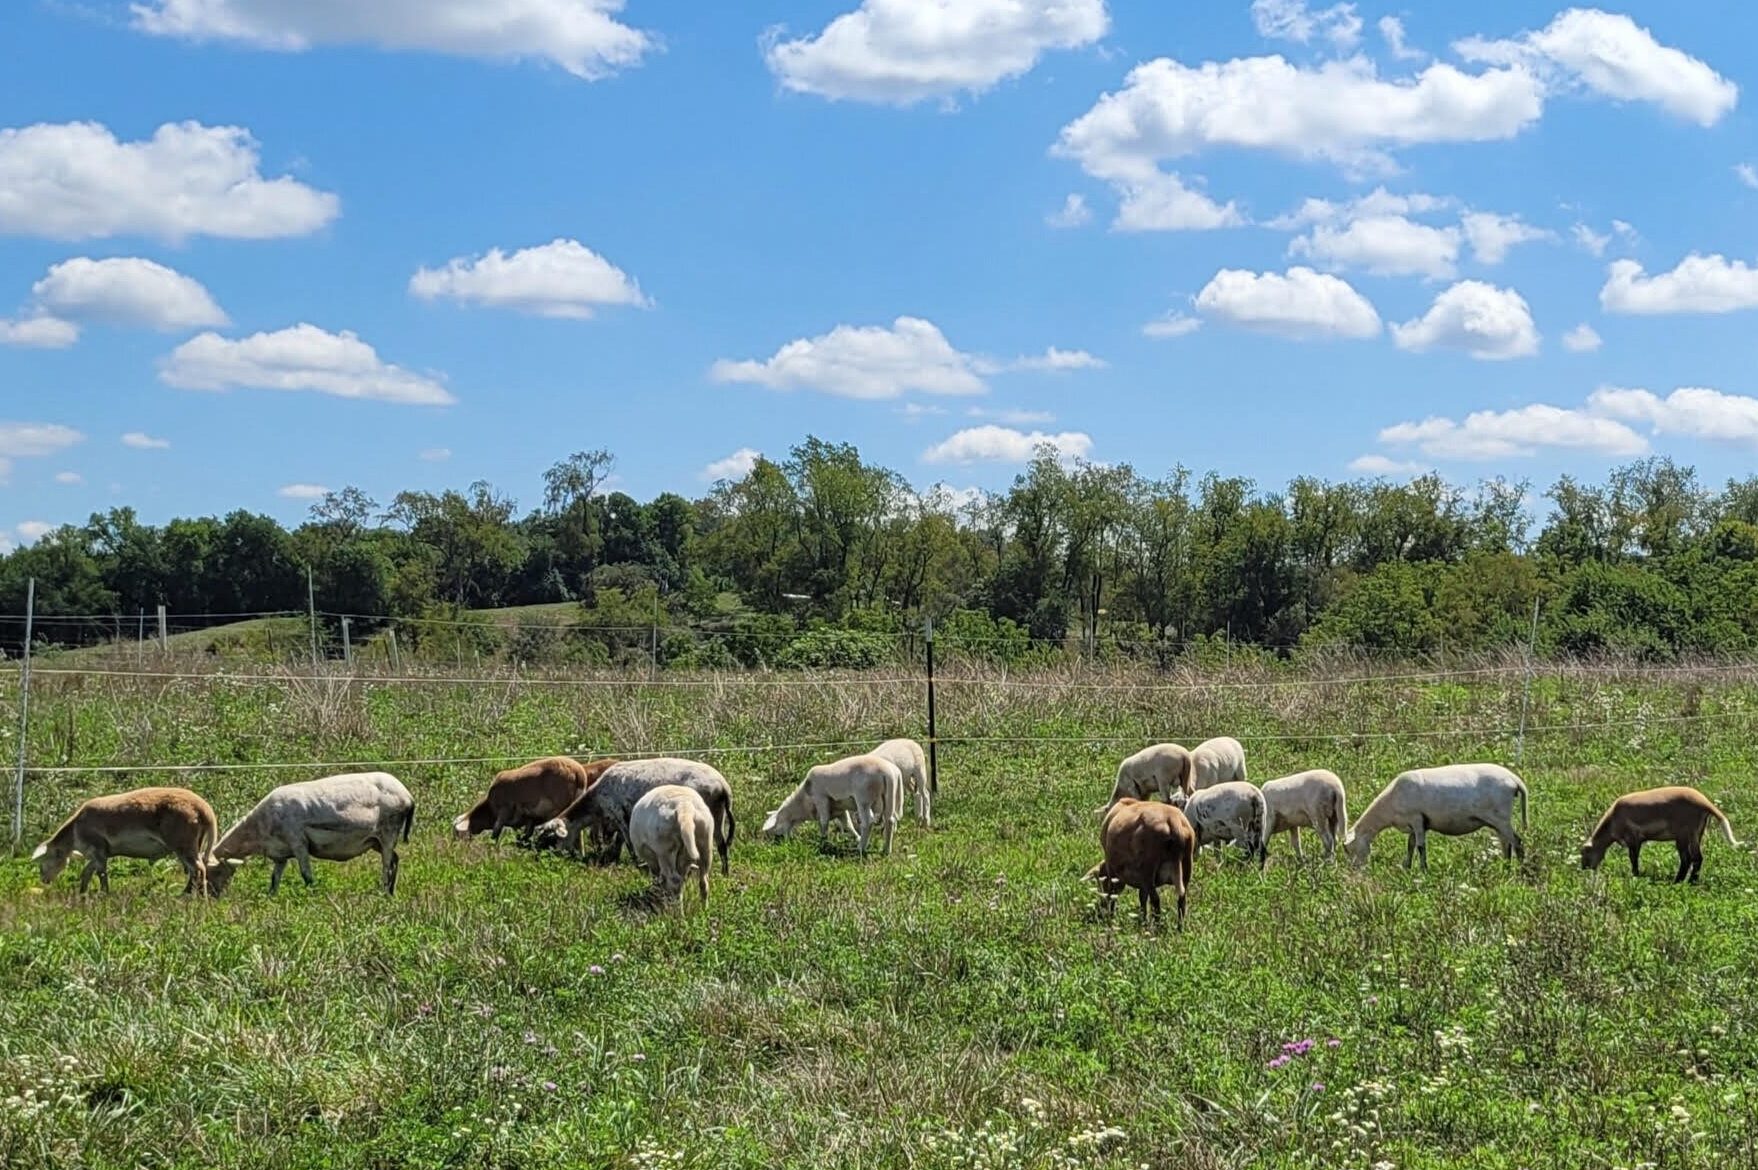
1650 561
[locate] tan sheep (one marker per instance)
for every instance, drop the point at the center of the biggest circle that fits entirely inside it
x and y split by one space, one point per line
1161 768
1147 845
147 822
1672 814
525 797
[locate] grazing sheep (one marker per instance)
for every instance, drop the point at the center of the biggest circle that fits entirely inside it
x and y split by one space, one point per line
147 822
1162 768
1659 814
1216 761
907 754
523 798
1453 800
336 818
870 784
671 833
1147 845
606 804
1234 811
1307 800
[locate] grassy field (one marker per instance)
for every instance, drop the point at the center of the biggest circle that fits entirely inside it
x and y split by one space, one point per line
954 1005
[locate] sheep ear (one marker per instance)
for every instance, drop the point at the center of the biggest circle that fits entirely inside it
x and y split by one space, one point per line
40 852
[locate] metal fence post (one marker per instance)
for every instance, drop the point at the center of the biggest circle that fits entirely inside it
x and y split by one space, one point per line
347 644
933 727
164 633
311 609
396 655
24 713
1526 693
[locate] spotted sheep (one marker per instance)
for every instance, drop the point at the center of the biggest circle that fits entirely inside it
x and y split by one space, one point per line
1234 811
147 823
1452 800
608 802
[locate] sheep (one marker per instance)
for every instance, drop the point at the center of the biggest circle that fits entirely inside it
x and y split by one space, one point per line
1147 845
671 833
1307 800
523 798
870 784
907 754
1658 814
1234 811
1216 761
606 804
1452 800
1162 768
336 818
147 822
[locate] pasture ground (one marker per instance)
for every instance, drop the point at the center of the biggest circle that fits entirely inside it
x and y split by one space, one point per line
954 1005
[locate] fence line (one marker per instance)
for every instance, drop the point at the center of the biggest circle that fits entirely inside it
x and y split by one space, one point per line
348 677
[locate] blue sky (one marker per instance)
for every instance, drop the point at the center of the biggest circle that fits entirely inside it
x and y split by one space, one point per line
417 244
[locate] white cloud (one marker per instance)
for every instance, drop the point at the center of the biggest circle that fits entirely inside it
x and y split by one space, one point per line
435 455
919 410
1492 235
1292 20
957 500
302 357
1300 304
1614 57
32 440
581 36
1590 240
1171 324
1583 338
1692 411
1386 245
1339 110
1700 284
734 466
76 181
126 290
141 441
33 530
1055 360
1384 465
69 478
40 332
1392 31
302 491
562 278
903 51
1072 214
997 444
1375 204
1483 320
1162 203
864 361
1014 418
1747 174
1489 434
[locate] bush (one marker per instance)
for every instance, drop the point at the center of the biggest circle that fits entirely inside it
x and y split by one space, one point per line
831 648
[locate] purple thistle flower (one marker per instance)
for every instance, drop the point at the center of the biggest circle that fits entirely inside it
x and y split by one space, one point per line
1333 1042
595 969
1318 1086
549 1086
1279 1061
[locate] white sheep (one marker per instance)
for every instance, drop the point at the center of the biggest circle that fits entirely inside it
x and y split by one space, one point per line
1453 800
336 818
871 785
671 833
1308 800
1159 769
907 754
1216 761
1234 811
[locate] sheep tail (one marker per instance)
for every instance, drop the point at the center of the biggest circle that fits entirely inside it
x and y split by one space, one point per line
1727 828
408 821
1524 826
1339 815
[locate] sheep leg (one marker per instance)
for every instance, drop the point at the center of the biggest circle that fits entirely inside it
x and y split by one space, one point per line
1635 848
1295 834
1154 901
85 875
1684 862
390 864
275 875
1142 896
1410 849
888 822
1422 845
197 875
865 813
303 860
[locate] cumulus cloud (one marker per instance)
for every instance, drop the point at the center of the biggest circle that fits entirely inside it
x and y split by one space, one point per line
302 357
864 361
1747 174
1162 203
1072 214
1012 417
1589 240
1300 304
1492 236
32 440
734 466
899 52
126 290
33 530
39 332
1613 56
562 278
1490 434
997 444
1171 324
435 455
1385 465
1386 245
1294 20
302 491
1583 338
1483 320
581 36
76 181
1392 32
69 478
1691 411
141 441
1056 360
1699 284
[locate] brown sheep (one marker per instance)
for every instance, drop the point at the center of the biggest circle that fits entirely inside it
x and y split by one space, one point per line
1147 845
1658 814
525 797
147 822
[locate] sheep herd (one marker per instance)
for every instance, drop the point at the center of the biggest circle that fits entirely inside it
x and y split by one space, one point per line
675 814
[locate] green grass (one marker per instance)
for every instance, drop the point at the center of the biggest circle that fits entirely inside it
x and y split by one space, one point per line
956 1004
